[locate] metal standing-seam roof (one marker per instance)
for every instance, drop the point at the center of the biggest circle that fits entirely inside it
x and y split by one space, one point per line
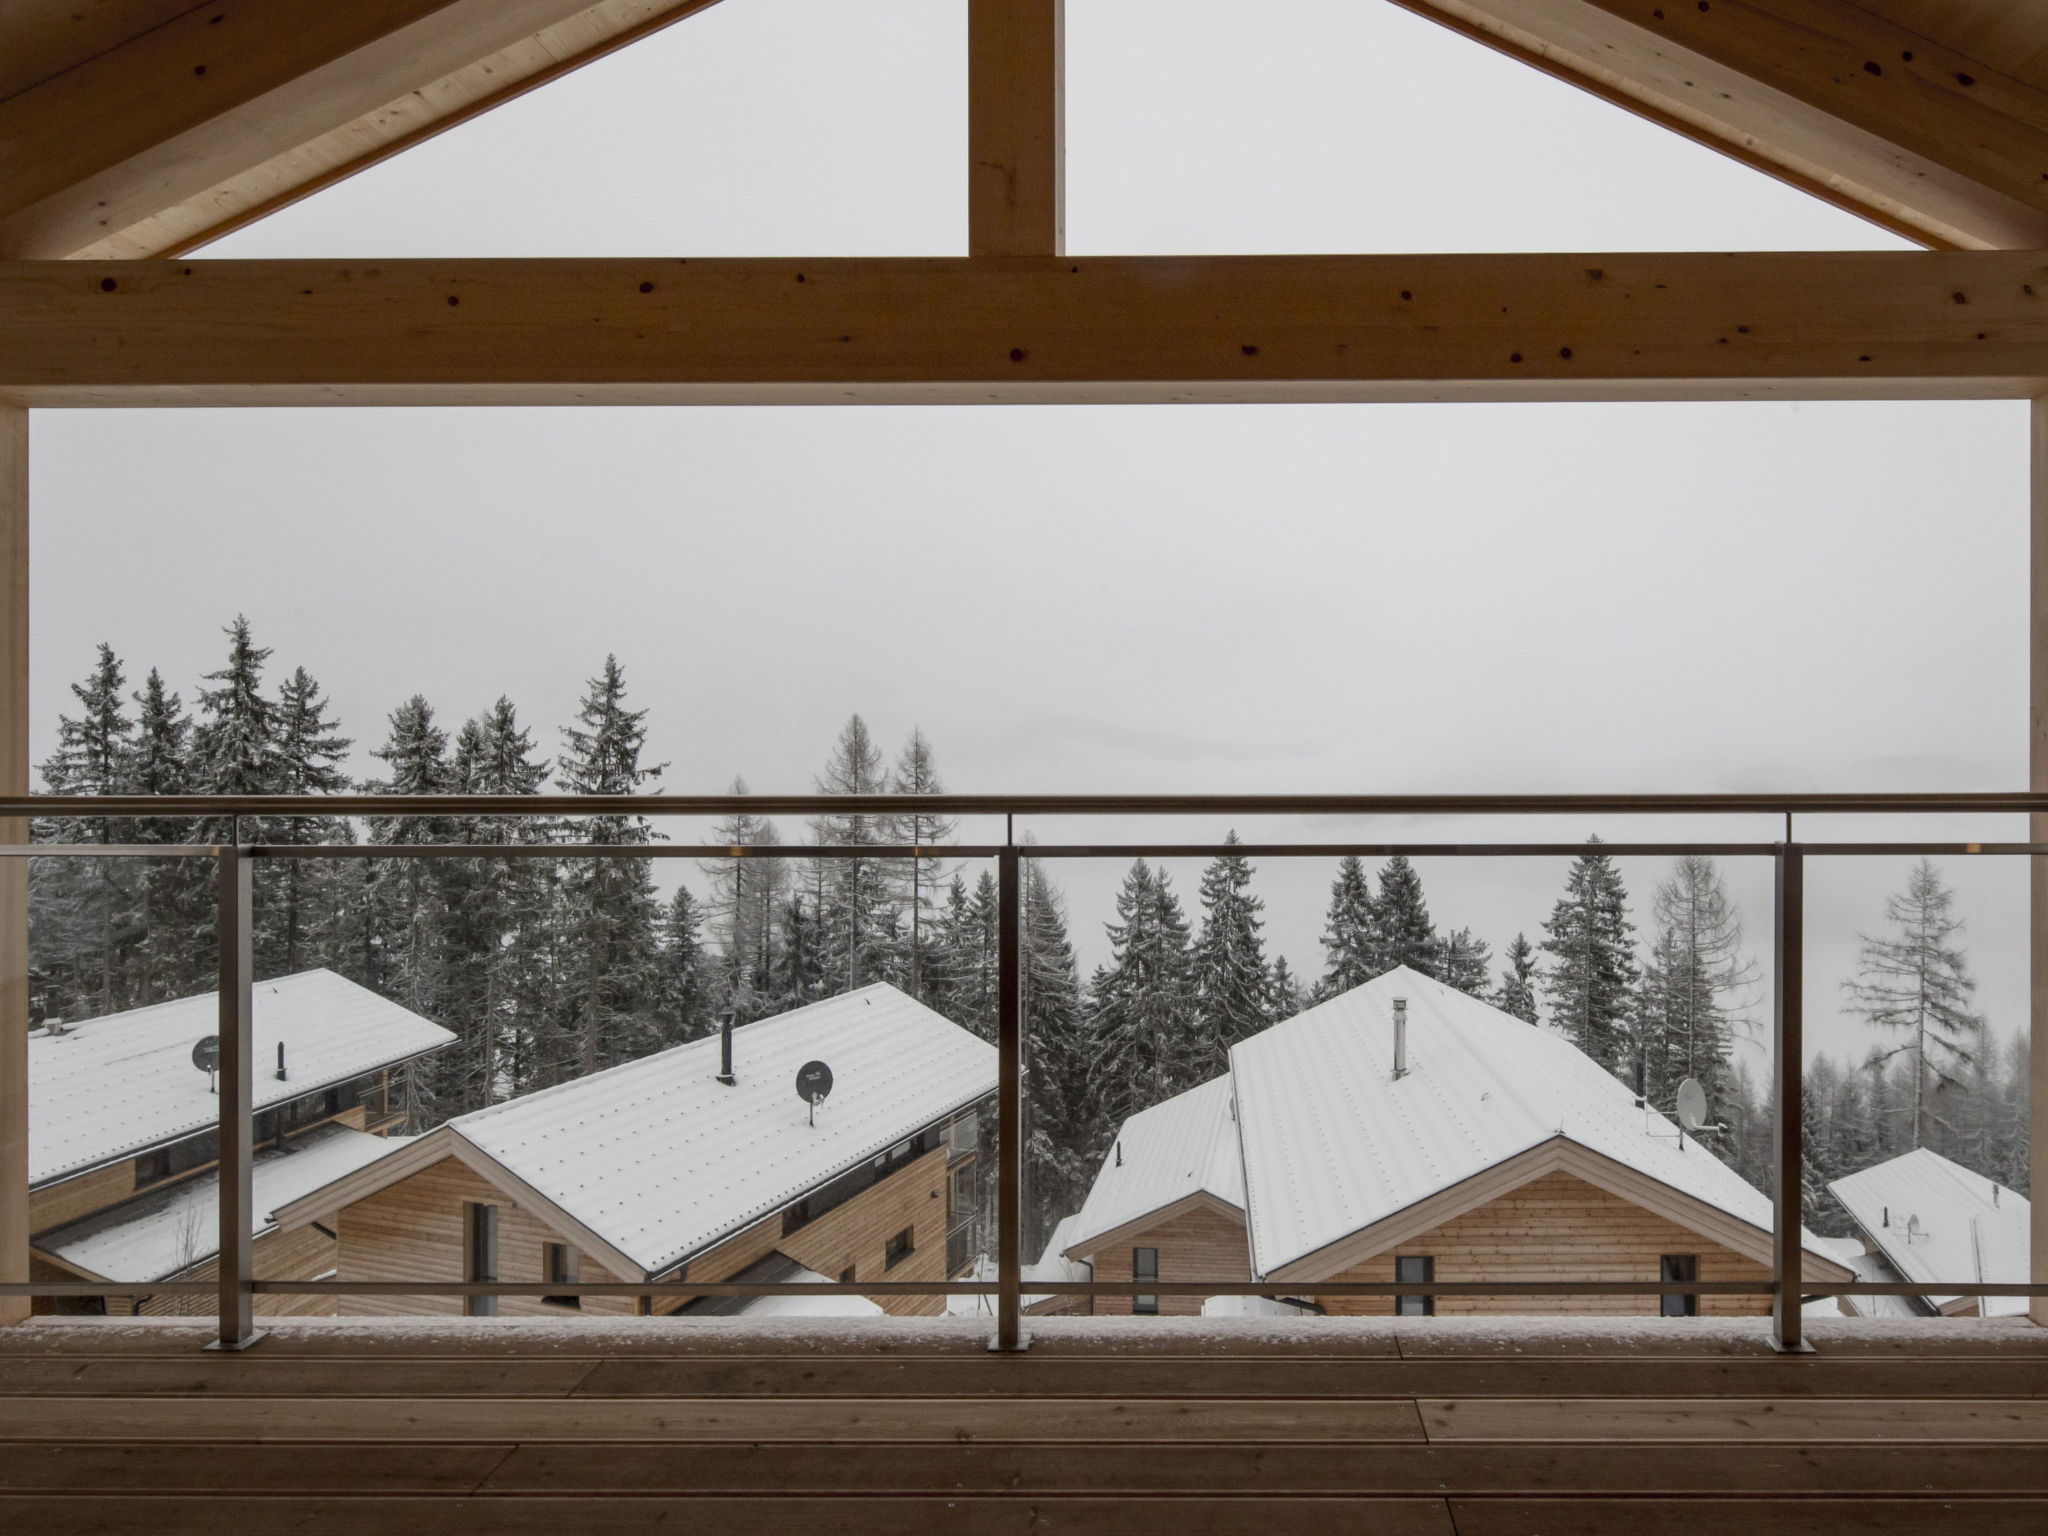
1971 1227
154 1236
660 1159
1162 1156
1334 1143
118 1085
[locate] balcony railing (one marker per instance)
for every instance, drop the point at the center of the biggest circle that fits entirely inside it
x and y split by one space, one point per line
235 859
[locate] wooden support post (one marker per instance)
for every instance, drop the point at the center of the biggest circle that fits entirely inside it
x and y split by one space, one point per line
237 1085
1788 1071
13 872
2037 780
1009 1106
1016 128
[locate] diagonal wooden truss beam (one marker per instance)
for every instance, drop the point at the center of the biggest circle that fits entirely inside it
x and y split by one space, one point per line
1018 329
1821 93
234 109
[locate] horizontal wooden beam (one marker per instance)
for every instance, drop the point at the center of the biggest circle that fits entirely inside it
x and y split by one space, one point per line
234 109
1825 95
1026 329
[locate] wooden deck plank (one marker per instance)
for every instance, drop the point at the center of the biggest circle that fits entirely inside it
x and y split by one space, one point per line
1275 1469
230 1375
156 1468
931 1516
1748 1517
1621 1420
701 1419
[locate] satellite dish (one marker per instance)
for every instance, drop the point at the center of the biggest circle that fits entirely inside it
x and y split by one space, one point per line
814 1085
1692 1105
1913 1229
206 1057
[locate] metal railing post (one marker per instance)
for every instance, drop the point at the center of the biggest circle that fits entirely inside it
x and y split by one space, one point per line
1788 1073
236 867
1009 1107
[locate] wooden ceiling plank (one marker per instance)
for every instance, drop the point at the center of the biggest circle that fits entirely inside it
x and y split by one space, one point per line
1017 329
1835 97
1016 127
223 119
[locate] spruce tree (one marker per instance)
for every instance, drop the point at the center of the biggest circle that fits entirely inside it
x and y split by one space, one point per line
1062 1141
1916 981
406 923
1517 994
1463 961
746 896
682 980
1406 935
299 896
1592 981
917 773
860 917
175 896
85 910
1289 995
234 742
1142 1001
612 899
1233 987
1686 1017
1351 941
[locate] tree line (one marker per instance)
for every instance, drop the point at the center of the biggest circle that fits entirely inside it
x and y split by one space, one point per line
547 967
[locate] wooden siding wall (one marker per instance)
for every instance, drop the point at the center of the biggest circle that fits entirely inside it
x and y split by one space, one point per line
413 1230
1557 1228
1196 1245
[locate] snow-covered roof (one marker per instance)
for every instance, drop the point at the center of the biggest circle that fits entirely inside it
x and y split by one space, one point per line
659 1159
1971 1227
779 1268
121 1084
1334 1143
155 1235
1164 1155
1053 1263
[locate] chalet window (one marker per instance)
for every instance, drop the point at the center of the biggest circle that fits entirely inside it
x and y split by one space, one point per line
564 1266
1415 1269
153 1167
795 1217
846 1275
481 1245
1679 1267
899 1248
1145 1266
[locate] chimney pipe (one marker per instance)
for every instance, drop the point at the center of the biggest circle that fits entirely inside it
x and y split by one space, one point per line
725 1049
1400 1038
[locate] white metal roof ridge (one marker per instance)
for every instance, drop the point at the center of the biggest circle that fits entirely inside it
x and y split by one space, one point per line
114 1086
660 1160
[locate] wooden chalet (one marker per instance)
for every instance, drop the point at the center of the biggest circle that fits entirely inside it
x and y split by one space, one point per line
1920 1216
661 1169
124 1171
132 132
1405 1131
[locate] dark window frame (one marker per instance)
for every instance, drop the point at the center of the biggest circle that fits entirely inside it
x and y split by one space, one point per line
1415 1269
1144 1266
899 1247
480 1255
1674 1269
562 1264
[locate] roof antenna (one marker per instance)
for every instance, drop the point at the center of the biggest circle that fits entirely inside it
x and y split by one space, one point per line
725 1049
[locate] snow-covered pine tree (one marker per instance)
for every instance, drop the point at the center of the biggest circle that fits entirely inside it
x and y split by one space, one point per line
611 932
1289 995
1593 979
234 740
1407 936
1233 987
407 917
498 987
745 898
1463 959
917 773
860 916
175 896
798 976
1517 994
1689 1007
682 1003
298 898
1142 1002
84 912
1062 1143
1351 943
1917 981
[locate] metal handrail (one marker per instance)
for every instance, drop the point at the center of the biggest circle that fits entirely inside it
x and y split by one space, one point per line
237 1286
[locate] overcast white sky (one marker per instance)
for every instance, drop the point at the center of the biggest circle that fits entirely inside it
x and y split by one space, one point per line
1685 597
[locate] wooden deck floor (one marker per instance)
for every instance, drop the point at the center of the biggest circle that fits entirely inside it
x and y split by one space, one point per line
1108 1426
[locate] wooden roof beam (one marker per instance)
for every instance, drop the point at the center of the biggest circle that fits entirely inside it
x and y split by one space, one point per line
1026 329
1016 127
1820 93
234 109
